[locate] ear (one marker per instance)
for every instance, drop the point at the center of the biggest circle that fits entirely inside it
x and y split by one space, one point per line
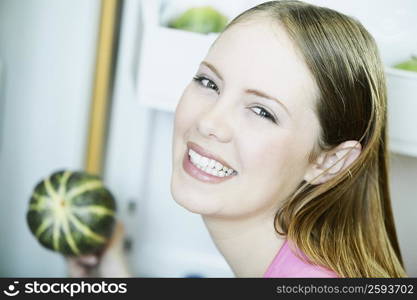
335 160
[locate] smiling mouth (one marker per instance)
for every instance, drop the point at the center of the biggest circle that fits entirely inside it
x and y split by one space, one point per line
206 167
209 166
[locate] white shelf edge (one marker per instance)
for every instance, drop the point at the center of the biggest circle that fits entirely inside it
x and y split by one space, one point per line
403 147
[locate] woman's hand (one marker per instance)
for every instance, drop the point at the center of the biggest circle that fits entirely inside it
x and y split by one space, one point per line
110 262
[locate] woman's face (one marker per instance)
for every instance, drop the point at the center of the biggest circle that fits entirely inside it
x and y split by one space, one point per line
251 107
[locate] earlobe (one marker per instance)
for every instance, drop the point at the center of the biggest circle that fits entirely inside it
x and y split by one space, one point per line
329 164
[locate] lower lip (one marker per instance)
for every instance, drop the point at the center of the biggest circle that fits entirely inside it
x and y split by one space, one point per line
198 174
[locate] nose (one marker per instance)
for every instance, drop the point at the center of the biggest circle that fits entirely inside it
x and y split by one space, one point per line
215 123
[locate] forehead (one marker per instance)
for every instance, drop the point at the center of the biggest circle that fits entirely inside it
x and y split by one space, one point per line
259 54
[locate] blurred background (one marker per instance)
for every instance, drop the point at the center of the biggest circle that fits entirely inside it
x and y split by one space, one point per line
92 85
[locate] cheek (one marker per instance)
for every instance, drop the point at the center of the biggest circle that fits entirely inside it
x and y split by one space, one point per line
261 148
278 154
282 149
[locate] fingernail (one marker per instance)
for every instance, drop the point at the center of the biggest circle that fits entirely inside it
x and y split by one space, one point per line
90 260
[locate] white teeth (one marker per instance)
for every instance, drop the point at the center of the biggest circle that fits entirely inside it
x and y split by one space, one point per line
212 163
204 161
196 159
218 166
192 157
210 171
209 166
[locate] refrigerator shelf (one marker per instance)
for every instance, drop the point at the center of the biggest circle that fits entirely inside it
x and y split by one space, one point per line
402 111
168 60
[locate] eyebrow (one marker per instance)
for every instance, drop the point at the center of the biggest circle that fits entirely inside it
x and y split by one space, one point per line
248 91
263 95
213 68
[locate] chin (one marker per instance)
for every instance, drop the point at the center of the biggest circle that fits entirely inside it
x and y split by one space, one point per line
194 204
191 200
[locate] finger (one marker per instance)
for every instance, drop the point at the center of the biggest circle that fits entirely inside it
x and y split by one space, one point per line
116 240
118 233
87 260
75 270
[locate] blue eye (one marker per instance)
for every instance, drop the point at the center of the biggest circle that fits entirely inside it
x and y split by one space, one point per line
207 83
263 113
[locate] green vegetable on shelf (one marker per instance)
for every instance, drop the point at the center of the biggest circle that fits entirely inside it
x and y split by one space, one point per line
203 19
409 65
71 213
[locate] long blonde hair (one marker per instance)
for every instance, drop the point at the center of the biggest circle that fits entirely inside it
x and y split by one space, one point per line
345 224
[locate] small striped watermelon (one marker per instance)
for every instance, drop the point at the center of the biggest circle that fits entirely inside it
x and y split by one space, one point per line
72 213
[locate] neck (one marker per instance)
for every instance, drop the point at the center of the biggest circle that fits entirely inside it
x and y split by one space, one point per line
249 245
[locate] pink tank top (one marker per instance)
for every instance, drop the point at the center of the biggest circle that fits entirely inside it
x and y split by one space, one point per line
287 264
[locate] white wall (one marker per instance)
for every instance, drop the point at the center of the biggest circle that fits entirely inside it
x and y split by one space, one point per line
48 49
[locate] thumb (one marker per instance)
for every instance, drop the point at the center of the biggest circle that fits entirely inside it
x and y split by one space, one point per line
113 261
117 239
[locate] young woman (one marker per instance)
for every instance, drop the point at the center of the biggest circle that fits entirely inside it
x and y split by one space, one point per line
280 144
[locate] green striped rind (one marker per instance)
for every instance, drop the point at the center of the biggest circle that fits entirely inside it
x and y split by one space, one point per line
69 238
71 212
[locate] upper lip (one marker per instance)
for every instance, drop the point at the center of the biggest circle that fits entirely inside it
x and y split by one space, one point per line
200 150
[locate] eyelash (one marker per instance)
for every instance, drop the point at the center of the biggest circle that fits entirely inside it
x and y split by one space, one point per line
263 113
199 80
